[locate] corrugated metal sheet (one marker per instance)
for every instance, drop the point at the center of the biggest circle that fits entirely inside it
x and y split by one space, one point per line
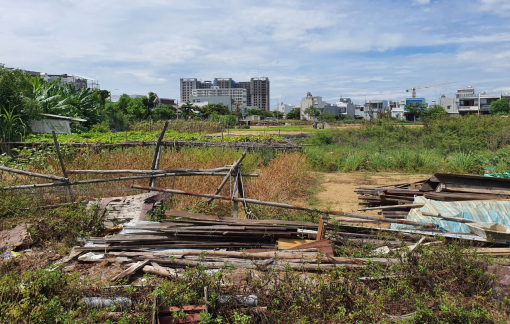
481 211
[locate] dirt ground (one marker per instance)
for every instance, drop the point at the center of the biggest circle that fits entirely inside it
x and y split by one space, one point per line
273 130
337 192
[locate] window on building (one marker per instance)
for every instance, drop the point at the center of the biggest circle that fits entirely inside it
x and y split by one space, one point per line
448 107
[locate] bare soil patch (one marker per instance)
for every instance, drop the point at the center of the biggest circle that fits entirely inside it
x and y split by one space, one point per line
337 190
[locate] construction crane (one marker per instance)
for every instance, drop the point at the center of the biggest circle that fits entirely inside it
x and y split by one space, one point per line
429 86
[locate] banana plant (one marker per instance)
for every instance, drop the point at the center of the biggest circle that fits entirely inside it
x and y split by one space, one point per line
12 127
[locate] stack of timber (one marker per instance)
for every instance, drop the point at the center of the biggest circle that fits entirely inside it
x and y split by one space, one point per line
197 231
195 239
397 200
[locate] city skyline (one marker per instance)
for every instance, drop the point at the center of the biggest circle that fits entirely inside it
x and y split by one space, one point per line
329 48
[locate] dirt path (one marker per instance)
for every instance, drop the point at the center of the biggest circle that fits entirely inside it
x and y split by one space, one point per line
338 189
274 130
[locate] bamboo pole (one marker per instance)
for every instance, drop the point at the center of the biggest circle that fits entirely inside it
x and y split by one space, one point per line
393 207
73 183
222 184
281 205
157 154
33 174
61 160
131 171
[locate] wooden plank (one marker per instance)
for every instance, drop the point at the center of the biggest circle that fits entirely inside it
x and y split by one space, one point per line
285 244
321 229
455 196
323 246
185 214
129 271
490 251
476 189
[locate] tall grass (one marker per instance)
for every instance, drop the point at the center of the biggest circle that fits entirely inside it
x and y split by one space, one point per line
459 145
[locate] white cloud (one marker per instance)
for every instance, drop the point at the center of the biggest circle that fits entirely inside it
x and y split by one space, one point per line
498 7
328 47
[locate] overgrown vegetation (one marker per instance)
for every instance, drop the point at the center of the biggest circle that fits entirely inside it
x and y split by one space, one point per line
461 145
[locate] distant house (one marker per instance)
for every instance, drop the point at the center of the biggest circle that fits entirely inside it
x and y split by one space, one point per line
167 102
346 106
373 108
59 124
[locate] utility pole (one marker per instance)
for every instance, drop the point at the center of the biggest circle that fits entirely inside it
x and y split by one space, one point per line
277 110
478 104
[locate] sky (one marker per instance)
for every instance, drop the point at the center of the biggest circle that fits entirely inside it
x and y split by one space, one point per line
362 49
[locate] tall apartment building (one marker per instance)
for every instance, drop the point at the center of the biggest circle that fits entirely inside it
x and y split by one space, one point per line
236 95
259 93
257 90
188 84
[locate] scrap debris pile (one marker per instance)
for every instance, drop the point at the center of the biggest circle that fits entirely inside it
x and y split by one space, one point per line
396 201
214 242
451 203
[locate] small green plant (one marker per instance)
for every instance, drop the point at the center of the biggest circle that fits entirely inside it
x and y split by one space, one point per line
241 318
157 214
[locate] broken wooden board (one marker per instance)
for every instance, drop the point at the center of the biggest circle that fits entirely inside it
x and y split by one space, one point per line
14 237
284 244
129 271
122 210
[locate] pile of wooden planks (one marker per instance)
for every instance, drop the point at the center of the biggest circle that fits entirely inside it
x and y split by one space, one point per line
397 200
191 230
210 241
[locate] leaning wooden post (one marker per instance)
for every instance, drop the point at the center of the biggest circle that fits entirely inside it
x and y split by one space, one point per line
321 229
64 172
157 154
235 208
240 191
227 177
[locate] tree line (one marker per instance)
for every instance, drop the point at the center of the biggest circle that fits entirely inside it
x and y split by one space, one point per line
24 97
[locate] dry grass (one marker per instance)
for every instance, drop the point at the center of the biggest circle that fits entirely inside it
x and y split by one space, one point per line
283 179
